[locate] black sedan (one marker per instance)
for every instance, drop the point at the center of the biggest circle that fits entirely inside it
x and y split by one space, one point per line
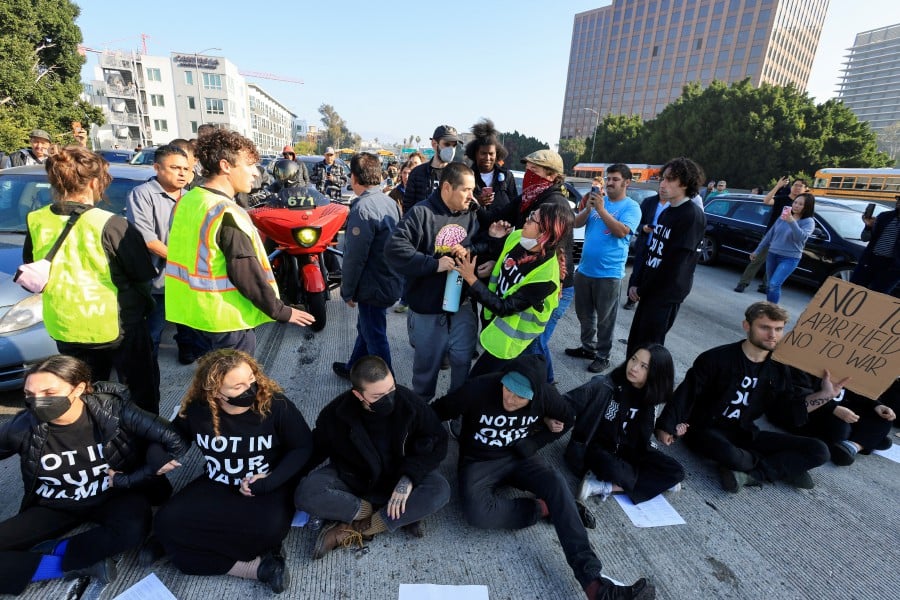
735 223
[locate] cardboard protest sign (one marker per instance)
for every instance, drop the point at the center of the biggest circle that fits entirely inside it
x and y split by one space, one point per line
851 331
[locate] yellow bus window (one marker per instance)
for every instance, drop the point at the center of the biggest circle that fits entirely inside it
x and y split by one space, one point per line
835 182
862 183
876 184
848 182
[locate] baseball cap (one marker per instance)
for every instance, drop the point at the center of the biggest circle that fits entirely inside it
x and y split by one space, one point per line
329 150
518 384
41 134
445 132
545 158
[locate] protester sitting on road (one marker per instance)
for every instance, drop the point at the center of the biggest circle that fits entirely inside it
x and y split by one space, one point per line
610 444
36 154
506 418
728 388
524 285
82 450
495 187
785 242
109 260
385 446
850 424
255 443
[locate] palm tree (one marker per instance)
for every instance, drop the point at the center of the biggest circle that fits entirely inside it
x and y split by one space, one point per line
418 139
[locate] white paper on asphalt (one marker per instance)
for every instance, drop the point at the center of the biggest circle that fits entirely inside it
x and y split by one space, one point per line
655 512
148 588
430 591
892 453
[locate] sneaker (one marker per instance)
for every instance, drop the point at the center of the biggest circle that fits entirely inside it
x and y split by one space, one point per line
186 356
733 481
599 365
273 571
844 453
340 369
580 352
629 305
802 481
739 288
604 588
401 308
763 289
675 488
102 571
591 486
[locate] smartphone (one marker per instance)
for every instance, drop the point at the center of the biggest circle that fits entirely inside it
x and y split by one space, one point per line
487 191
785 211
595 190
870 210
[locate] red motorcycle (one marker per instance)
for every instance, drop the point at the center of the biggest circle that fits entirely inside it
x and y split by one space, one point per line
300 236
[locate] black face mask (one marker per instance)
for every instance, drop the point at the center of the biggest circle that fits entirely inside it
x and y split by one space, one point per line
48 408
246 399
383 406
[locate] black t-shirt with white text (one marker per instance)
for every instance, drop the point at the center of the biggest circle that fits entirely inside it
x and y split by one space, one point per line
72 470
517 264
668 272
740 402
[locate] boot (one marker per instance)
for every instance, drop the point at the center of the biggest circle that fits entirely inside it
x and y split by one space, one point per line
337 534
273 571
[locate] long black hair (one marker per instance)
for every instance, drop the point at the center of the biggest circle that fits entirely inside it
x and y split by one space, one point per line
660 374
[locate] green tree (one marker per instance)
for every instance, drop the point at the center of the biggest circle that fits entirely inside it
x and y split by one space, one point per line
571 151
337 134
519 146
304 148
40 71
747 135
619 138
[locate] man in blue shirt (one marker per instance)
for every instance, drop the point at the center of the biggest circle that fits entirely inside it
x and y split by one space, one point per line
608 225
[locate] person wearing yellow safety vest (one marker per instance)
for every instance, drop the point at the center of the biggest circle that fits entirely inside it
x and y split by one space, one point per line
218 279
523 288
97 297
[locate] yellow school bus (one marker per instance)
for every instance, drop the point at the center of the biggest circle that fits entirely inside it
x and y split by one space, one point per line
864 184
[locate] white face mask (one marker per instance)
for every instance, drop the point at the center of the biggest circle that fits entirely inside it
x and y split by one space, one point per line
528 243
447 153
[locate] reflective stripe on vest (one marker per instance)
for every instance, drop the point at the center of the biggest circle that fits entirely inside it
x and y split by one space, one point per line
80 301
506 337
202 296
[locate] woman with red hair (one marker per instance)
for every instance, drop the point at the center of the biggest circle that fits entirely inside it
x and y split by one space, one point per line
524 285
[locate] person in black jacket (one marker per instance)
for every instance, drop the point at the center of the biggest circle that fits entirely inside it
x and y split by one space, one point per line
610 443
82 451
728 388
879 265
425 179
495 187
255 443
385 446
651 208
506 418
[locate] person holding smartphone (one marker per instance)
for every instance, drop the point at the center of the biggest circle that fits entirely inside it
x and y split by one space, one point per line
785 242
879 265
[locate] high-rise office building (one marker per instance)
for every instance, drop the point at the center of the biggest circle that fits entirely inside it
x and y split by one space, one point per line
870 86
633 57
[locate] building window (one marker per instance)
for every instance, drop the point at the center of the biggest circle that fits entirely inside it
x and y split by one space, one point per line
192 103
212 81
215 106
193 126
189 77
698 44
154 75
160 125
157 100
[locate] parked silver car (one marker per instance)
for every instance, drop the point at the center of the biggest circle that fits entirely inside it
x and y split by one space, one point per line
23 339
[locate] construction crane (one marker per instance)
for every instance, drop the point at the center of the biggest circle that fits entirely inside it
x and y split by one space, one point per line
272 76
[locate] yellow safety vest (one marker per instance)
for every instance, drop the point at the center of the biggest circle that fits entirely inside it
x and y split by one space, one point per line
506 337
80 301
199 293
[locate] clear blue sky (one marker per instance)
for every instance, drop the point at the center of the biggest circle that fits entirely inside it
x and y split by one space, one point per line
395 69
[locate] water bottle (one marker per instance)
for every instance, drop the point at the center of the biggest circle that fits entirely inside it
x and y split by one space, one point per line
452 291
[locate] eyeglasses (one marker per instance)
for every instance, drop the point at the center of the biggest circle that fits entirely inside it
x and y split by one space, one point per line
533 217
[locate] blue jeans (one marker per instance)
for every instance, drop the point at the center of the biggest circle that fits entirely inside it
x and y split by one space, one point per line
542 344
778 268
371 334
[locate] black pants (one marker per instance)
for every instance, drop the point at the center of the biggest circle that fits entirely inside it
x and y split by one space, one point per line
642 477
479 480
123 521
132 358
878 273
766 455
488 363
207 527
868 431
652 321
